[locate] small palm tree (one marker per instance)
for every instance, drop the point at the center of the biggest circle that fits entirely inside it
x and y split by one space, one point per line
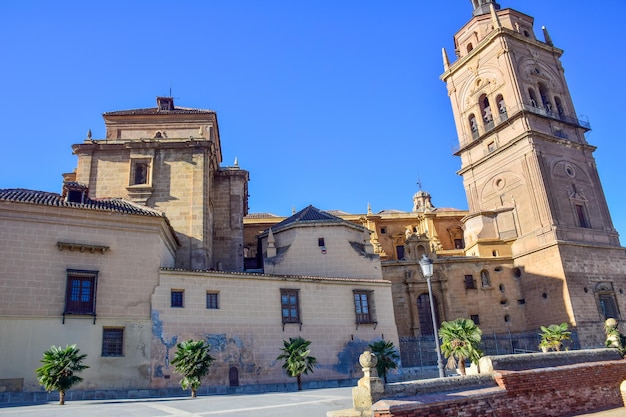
58 372
298 361
553 336
460 340
192 361
387 357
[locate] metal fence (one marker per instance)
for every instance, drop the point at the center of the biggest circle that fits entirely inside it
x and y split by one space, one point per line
420 351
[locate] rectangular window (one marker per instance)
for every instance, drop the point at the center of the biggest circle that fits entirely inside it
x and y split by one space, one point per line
113 341
320 241
469 282
400 252
608 306
363 305
475 319
177 298
582 216
211 300
80 293
383 230
290 305
140 171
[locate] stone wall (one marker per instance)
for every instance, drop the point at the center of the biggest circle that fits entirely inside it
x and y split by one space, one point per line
555 391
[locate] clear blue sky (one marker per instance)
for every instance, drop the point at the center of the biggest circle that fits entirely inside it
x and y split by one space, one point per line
327 102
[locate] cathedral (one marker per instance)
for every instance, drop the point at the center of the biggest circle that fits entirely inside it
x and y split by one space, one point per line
150 242
537 245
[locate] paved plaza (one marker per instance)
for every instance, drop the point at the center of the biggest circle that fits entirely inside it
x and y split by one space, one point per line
308 403
286 404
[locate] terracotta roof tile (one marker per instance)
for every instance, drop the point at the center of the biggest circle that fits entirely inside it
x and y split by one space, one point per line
44 198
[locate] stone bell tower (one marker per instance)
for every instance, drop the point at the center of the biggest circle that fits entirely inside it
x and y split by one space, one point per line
529 174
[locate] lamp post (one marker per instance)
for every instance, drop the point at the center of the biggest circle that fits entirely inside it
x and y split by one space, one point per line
427 269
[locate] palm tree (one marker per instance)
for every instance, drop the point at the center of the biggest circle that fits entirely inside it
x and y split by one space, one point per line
298 361
552 337
192 361
58 372
387 356
460 340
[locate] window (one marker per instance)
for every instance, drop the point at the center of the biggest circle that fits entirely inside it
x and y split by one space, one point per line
211 300
383 230
533 97
80 294
475 319
608 306
177 298
581 215
473 125
321 244
140 172
559 106
458 244
400 252
113 341
485 107
469 282
501 108
290 305
363 306
545 101
491 147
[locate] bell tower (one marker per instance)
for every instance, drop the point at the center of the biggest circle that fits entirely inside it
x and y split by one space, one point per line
528 171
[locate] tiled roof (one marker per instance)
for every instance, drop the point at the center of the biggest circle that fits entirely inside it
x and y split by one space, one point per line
309 214
155 111
44 198
261 216
338 212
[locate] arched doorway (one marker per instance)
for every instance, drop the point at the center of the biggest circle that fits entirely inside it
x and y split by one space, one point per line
233 376
425 317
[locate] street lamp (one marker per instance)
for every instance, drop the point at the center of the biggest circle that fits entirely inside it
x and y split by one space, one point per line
427 269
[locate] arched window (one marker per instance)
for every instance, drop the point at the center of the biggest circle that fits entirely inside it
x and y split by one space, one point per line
501 108
425 316
469 47
533 97
473 125
420 251
559 106
545 100
485 110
